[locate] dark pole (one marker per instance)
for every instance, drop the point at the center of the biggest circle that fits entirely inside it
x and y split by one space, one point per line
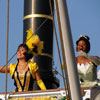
37 15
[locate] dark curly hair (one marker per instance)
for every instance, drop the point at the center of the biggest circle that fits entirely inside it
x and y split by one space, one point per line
86 39
28 54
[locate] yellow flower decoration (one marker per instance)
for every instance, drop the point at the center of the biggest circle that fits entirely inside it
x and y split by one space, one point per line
33 42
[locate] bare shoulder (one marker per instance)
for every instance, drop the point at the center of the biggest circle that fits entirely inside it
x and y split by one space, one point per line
77 58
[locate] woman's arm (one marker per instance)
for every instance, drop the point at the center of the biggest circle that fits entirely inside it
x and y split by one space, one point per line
40 82
3 69
37 76
94 59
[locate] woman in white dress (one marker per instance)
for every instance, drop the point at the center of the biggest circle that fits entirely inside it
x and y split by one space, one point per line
87 65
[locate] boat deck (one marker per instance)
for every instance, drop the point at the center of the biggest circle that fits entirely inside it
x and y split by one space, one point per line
50 94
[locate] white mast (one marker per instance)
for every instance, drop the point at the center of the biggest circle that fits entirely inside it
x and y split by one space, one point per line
67 48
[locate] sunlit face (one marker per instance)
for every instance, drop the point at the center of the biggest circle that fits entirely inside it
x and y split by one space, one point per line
82 46
20 53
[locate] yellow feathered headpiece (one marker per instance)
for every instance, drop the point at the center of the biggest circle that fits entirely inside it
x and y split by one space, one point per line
33 42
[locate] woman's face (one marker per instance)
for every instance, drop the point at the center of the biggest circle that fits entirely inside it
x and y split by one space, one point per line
82 46
20 53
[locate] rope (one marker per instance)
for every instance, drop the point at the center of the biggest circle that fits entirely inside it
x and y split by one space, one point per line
57 45
7 49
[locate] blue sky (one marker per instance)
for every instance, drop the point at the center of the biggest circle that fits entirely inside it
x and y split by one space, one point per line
84 18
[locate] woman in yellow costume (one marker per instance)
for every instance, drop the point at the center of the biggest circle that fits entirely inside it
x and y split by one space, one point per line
24 72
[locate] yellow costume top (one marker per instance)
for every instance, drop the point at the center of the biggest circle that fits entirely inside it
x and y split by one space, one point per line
23 81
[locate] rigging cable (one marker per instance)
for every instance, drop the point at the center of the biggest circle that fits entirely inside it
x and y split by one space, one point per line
57 45
7 49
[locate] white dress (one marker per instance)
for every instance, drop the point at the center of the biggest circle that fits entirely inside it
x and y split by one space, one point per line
87 74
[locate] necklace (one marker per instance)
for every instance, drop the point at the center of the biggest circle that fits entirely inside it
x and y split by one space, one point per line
22 66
